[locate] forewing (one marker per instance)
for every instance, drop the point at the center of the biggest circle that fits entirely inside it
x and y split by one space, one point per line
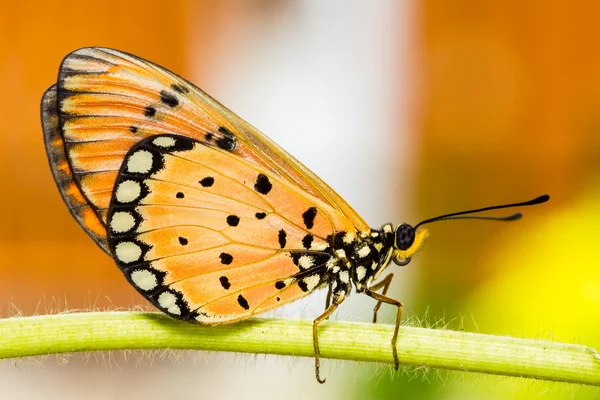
206 235
110 100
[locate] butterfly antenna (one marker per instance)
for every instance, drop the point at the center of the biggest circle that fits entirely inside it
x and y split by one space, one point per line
513 217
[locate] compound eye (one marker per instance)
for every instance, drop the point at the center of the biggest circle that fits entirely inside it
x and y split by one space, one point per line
405 236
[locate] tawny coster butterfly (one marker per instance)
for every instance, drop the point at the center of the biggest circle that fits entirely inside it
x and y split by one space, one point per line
206 217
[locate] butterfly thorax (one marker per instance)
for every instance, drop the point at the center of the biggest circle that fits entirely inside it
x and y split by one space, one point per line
360 261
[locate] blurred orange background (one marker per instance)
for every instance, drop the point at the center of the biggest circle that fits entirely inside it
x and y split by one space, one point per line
409 109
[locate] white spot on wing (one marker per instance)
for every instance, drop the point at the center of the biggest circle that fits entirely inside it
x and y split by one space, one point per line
167 301
128 252
140 162
305 262
288 281
128 191
164 141
311 281
340 253
348 238
144 279
122 221
318 245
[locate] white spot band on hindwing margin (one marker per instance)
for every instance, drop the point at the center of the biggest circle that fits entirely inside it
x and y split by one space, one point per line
140 162
144 279
122 221
128 252
164 141
167 300
128 191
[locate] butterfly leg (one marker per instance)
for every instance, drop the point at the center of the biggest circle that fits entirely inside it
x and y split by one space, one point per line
388 300
316 323
385 284
328 300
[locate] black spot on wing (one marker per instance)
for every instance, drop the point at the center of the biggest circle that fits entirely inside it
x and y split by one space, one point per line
243 302
302 285
180 88
133 129
225 282
150 111
180 195
262 184
307 241
282 238
181 143
316 258
208 181
260 215
279 285
309 217
226 258
339 242
228 141
168 99
209 136
182 241
225 131
233 220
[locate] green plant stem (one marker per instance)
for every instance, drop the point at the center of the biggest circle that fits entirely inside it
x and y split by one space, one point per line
67 333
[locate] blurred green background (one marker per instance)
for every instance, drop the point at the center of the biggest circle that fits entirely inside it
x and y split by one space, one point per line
409 109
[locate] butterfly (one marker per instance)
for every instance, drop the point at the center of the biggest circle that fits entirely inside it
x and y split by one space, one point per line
207 218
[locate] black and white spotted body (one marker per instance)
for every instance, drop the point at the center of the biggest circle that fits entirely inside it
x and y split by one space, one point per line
359 261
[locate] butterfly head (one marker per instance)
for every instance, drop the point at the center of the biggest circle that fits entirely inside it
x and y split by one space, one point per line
408 240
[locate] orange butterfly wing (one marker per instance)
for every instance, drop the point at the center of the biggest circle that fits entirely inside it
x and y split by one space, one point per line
109 112
77 204
207 236
108 100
